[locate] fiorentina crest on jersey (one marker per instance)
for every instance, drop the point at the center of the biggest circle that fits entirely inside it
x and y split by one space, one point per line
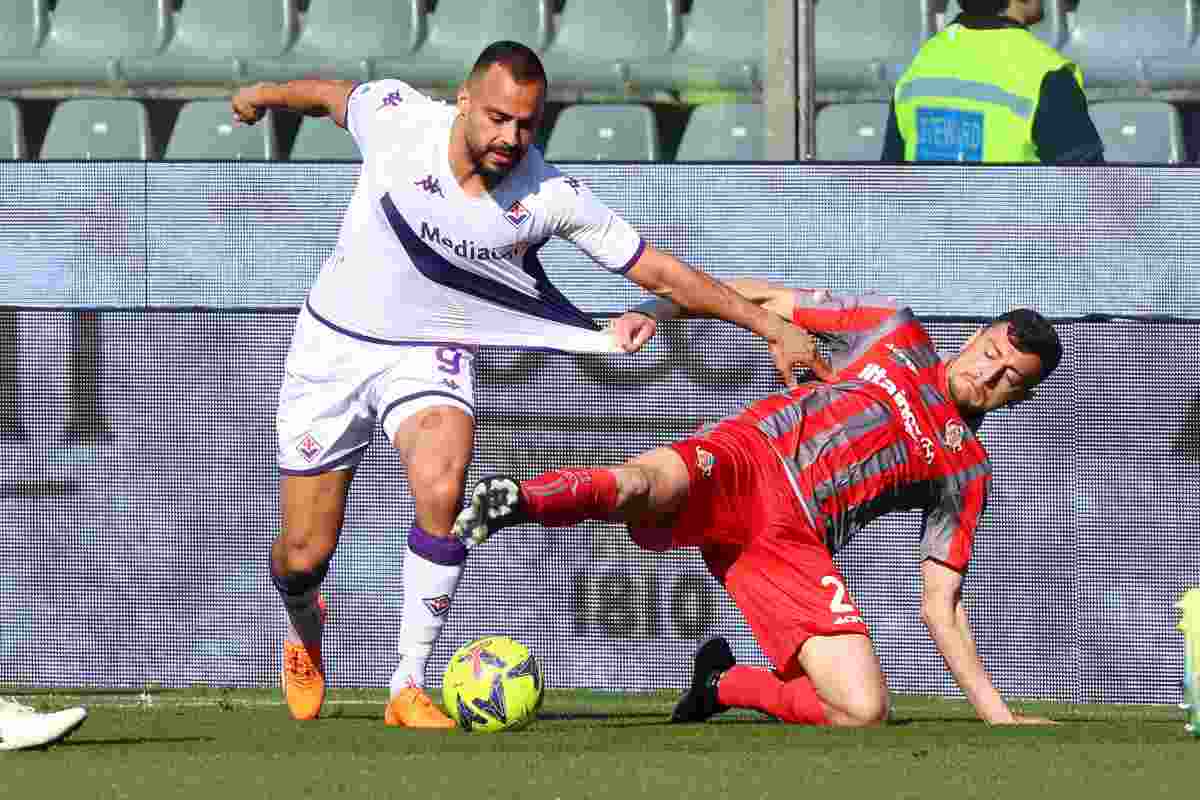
309 447
517 214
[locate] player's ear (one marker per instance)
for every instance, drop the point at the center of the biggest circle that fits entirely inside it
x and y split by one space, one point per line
463 99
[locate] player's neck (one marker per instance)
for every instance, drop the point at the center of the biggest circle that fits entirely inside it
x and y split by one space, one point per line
473 182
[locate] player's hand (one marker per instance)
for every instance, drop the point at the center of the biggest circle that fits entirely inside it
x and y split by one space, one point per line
247 104
795 347
632 330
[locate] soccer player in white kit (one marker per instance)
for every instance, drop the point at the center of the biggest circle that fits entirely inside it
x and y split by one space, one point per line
437 255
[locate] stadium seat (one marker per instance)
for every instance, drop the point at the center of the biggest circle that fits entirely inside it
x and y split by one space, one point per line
458 30
90 128
215 39
1141 131
321 140
205 130
22 28
87 40
851 131
595 43
12 131
868 44
724 132
598 132
344 39
722 46
1147 43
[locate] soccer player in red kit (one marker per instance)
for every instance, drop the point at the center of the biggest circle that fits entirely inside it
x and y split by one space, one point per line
770 493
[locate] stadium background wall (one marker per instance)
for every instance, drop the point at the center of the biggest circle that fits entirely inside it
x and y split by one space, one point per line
147 309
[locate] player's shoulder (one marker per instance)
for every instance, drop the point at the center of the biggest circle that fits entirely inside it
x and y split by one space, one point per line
391 92
555 187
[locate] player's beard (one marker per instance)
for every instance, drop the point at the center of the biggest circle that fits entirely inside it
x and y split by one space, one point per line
478 153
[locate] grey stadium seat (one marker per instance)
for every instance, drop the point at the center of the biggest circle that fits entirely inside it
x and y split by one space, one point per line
601 132
724 132
88 40
868 43
322 140
205 130
851 131
12 131
596 42
214 40
1140 131
1148 42
458 30
22 28
99 128
344 39
722 45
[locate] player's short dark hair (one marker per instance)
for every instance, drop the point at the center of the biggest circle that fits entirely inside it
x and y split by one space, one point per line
1032 333
983 7
520 61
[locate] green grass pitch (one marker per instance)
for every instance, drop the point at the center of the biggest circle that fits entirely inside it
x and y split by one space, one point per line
230 744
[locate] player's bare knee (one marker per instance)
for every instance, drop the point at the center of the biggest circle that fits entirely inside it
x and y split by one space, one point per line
865 711
294 555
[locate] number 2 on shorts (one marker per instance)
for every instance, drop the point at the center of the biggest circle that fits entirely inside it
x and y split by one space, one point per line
837 605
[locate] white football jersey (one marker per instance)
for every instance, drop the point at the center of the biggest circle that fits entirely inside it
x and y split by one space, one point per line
418 260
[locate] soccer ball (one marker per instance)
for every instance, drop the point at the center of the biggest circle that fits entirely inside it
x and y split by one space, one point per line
493 684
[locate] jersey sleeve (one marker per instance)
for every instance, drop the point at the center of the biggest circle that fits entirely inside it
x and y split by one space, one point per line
849 323
370 105
949 527
579 217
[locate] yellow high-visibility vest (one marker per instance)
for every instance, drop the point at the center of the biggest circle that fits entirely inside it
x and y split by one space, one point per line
970 95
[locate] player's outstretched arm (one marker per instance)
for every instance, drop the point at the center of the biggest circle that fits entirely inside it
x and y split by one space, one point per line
700 295
944 615
312 98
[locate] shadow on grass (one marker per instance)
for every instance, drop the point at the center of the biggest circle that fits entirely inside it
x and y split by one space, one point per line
132 740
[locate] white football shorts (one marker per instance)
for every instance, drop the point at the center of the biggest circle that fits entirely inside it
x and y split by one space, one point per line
336 386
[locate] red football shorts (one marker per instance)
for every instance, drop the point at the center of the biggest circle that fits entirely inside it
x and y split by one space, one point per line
743 514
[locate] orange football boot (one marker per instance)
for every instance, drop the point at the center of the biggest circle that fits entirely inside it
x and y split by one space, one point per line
303 676
412 708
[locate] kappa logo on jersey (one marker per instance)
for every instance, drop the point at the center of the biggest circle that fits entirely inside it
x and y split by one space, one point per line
517 214
450 383
390 101
873 373
955 433
572 182
309 447
475 251
705 461
429 184
438 606
900 357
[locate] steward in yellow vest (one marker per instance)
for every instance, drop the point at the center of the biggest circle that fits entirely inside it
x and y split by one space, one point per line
985 89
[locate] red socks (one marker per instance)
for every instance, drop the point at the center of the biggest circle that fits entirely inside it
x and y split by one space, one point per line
794 700
568 496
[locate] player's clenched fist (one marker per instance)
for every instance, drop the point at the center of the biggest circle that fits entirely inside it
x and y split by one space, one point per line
249 106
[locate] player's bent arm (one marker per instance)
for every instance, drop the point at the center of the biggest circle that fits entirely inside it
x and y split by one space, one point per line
945 617
313 98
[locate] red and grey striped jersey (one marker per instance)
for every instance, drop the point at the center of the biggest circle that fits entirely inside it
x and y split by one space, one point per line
885 437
